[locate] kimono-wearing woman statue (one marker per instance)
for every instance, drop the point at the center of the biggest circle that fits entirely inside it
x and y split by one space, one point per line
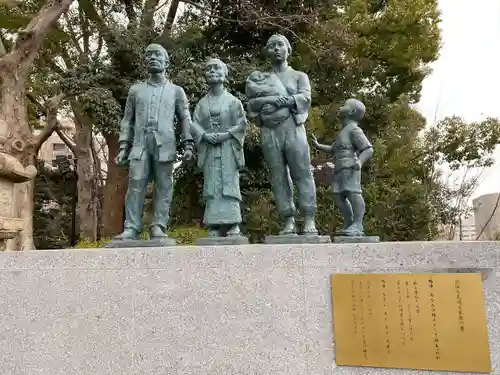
219 123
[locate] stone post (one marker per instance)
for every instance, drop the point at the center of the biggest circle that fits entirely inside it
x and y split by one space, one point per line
12 172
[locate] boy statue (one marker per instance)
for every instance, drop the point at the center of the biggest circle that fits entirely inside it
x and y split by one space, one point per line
350 151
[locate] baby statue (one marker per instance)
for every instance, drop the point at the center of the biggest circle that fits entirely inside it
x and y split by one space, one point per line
262 84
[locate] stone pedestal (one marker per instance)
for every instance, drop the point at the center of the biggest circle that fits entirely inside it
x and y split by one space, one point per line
222 241
11 173
218 310
338 238
156 242
296 239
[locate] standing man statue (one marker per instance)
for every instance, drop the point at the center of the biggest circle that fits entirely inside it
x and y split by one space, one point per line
279 102
148 143
350 150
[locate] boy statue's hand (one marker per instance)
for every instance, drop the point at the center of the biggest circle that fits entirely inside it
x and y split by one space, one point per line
314 140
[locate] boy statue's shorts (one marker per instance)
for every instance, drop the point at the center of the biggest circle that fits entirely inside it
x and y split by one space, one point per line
346 180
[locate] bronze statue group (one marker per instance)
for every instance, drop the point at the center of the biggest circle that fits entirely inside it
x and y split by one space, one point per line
278 102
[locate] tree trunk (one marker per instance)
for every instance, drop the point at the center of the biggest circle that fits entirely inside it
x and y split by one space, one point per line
16 137
97 156
114 192
17 140
86 211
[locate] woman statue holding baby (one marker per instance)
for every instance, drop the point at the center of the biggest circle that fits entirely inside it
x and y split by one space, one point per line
219 124
279 102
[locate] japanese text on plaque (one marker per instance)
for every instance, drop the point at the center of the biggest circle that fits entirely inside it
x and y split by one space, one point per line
418 321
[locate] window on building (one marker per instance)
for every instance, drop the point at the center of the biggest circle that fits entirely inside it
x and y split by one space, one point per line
58 147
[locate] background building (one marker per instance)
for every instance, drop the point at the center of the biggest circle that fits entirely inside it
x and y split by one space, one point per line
466 231
487 215
54 146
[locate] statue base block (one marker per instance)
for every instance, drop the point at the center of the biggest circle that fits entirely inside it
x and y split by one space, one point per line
156 242
338 238
296 238
221 309
223 241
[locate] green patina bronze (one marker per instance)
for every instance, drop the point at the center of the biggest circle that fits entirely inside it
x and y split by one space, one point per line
350 151
279 102
148 144
219 124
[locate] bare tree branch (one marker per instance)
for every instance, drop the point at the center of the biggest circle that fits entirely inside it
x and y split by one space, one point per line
147 20
163 5
31 37
251 16
6 44
64 137
86 34
100 45
102 149
50 109
97 161
130 10
107 33
73 36
169 22
53 124
3 50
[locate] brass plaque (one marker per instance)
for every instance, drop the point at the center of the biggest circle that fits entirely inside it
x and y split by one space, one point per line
414 321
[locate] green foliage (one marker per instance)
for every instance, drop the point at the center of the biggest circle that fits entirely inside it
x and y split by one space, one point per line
86 244
52 219
461 144
465 149
187 235
260 216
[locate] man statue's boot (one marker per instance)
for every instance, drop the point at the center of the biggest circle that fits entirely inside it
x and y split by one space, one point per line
310 225
127 234
157 232
289 226
234 231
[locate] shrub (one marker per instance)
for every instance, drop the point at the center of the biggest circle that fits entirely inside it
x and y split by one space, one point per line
183 235
187 235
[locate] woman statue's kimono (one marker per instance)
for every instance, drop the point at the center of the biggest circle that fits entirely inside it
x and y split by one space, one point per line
219 123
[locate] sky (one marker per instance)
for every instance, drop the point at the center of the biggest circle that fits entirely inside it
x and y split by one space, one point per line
466 78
